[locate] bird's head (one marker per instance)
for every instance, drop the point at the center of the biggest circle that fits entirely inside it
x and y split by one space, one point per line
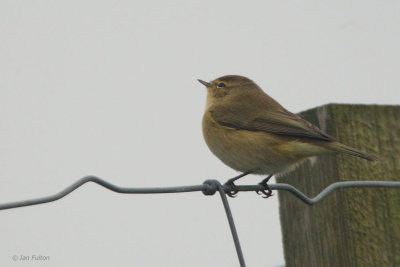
227 87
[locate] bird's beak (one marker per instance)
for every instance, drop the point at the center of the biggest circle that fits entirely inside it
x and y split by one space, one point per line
206 84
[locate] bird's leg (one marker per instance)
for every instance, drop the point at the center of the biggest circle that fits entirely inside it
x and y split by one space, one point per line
266 192
230 182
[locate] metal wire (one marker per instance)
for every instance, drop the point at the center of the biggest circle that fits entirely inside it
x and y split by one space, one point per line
209 187
231 222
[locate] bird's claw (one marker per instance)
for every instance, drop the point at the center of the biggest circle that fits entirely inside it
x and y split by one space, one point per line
233 192
266 192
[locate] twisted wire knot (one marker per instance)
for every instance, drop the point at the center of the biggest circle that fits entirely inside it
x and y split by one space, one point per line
210 187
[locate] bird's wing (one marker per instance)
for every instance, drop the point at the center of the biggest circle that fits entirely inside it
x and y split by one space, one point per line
281 122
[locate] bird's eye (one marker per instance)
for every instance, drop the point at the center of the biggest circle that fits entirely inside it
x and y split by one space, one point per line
221 85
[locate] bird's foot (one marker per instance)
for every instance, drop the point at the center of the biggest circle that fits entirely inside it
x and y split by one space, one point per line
231 182
233 192
266 192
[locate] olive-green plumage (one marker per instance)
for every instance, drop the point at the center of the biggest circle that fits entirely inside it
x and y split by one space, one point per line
251 132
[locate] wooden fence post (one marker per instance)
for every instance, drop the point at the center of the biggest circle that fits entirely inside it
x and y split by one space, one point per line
353 226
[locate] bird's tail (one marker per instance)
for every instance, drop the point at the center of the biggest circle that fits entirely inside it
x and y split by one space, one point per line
338 147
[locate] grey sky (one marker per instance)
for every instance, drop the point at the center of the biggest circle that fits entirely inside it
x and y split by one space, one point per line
109 88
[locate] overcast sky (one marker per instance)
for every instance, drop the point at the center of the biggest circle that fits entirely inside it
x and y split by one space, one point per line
109 88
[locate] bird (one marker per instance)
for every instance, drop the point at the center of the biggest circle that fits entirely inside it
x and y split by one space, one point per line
252 133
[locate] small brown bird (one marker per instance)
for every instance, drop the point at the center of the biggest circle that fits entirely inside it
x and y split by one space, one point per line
252 133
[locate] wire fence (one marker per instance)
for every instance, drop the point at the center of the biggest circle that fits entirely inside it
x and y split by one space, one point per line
209 187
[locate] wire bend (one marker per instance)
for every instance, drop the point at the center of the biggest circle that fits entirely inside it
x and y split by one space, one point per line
208 188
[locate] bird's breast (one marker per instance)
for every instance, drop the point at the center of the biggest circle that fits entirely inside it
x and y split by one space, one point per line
243 150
